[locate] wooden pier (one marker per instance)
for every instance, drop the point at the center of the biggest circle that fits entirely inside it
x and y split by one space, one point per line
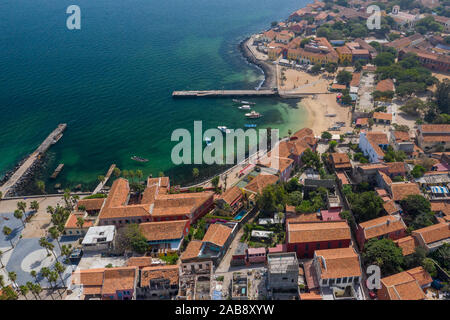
51 139
57 171
102 183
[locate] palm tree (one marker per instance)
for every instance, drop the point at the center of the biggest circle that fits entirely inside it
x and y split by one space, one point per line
37 289
125 174
289 132
161 174
44 244
34 205
24 290
2 281
53 277
139 174
67 199
50 210
30 286
101 178
80 223
19 215
34 274
7 232
51 246
13 277
21 206
60 268
66 250
54 233
131 174
116 172
195 173
41 186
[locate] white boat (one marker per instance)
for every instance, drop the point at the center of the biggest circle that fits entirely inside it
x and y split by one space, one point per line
242 101
330 115
253 115
245 107
224 129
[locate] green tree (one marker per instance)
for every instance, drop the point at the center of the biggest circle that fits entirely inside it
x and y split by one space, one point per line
195 173
125 174
418 171
442 96
116 172
13 277
34 205
344 77
22 206
19 215
55 234
414 205
429 267
384 59
311 159
100 178
316 68
295 198
139 174
7 232
384 253
326 135
24 291
215 181
366 206
80 223
333 144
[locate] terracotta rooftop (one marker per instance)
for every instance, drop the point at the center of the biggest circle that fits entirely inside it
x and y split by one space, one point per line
406 285
433 233
401 136
382 116
438 128
192 250
71 222
404 189
117 279
407 244
231 195
340 160
385 178
260 182
375 139
164 230
339 263
217 234
381 226
169 272
317 231
385 85
390 207
91 204
396 168
139 262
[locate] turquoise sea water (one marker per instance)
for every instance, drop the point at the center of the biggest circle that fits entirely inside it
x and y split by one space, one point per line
111 81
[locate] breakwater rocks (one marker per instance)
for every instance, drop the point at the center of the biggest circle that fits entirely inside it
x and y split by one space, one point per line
267 68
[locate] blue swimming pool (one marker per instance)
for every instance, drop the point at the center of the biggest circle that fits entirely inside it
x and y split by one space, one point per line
240 215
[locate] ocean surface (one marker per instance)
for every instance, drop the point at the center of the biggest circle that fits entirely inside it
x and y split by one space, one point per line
111 81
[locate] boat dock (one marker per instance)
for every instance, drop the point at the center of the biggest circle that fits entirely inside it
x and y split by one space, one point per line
17 176
102 183
288 94
224 93
57 171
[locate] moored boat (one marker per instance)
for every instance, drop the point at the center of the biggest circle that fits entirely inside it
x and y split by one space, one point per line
253 115
139 159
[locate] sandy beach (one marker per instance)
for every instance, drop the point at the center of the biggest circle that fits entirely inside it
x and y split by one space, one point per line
324 104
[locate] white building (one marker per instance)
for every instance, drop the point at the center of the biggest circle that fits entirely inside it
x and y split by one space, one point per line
99 238
372 145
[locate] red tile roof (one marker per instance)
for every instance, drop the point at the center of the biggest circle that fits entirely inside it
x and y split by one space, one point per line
217 234
164 230
317 231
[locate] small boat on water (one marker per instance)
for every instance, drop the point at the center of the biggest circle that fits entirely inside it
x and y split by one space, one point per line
243 102
245 107
208 141
253 115
224 129
250 125
139 159
330 115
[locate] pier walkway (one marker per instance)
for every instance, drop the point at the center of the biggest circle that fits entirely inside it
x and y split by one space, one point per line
288 94
29 162
102 183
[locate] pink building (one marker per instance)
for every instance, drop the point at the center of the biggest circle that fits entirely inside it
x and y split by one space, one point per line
256 255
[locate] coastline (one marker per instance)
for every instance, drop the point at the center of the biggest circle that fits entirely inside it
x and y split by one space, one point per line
267 69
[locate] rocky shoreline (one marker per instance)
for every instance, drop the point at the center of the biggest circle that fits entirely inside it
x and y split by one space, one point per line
268 69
